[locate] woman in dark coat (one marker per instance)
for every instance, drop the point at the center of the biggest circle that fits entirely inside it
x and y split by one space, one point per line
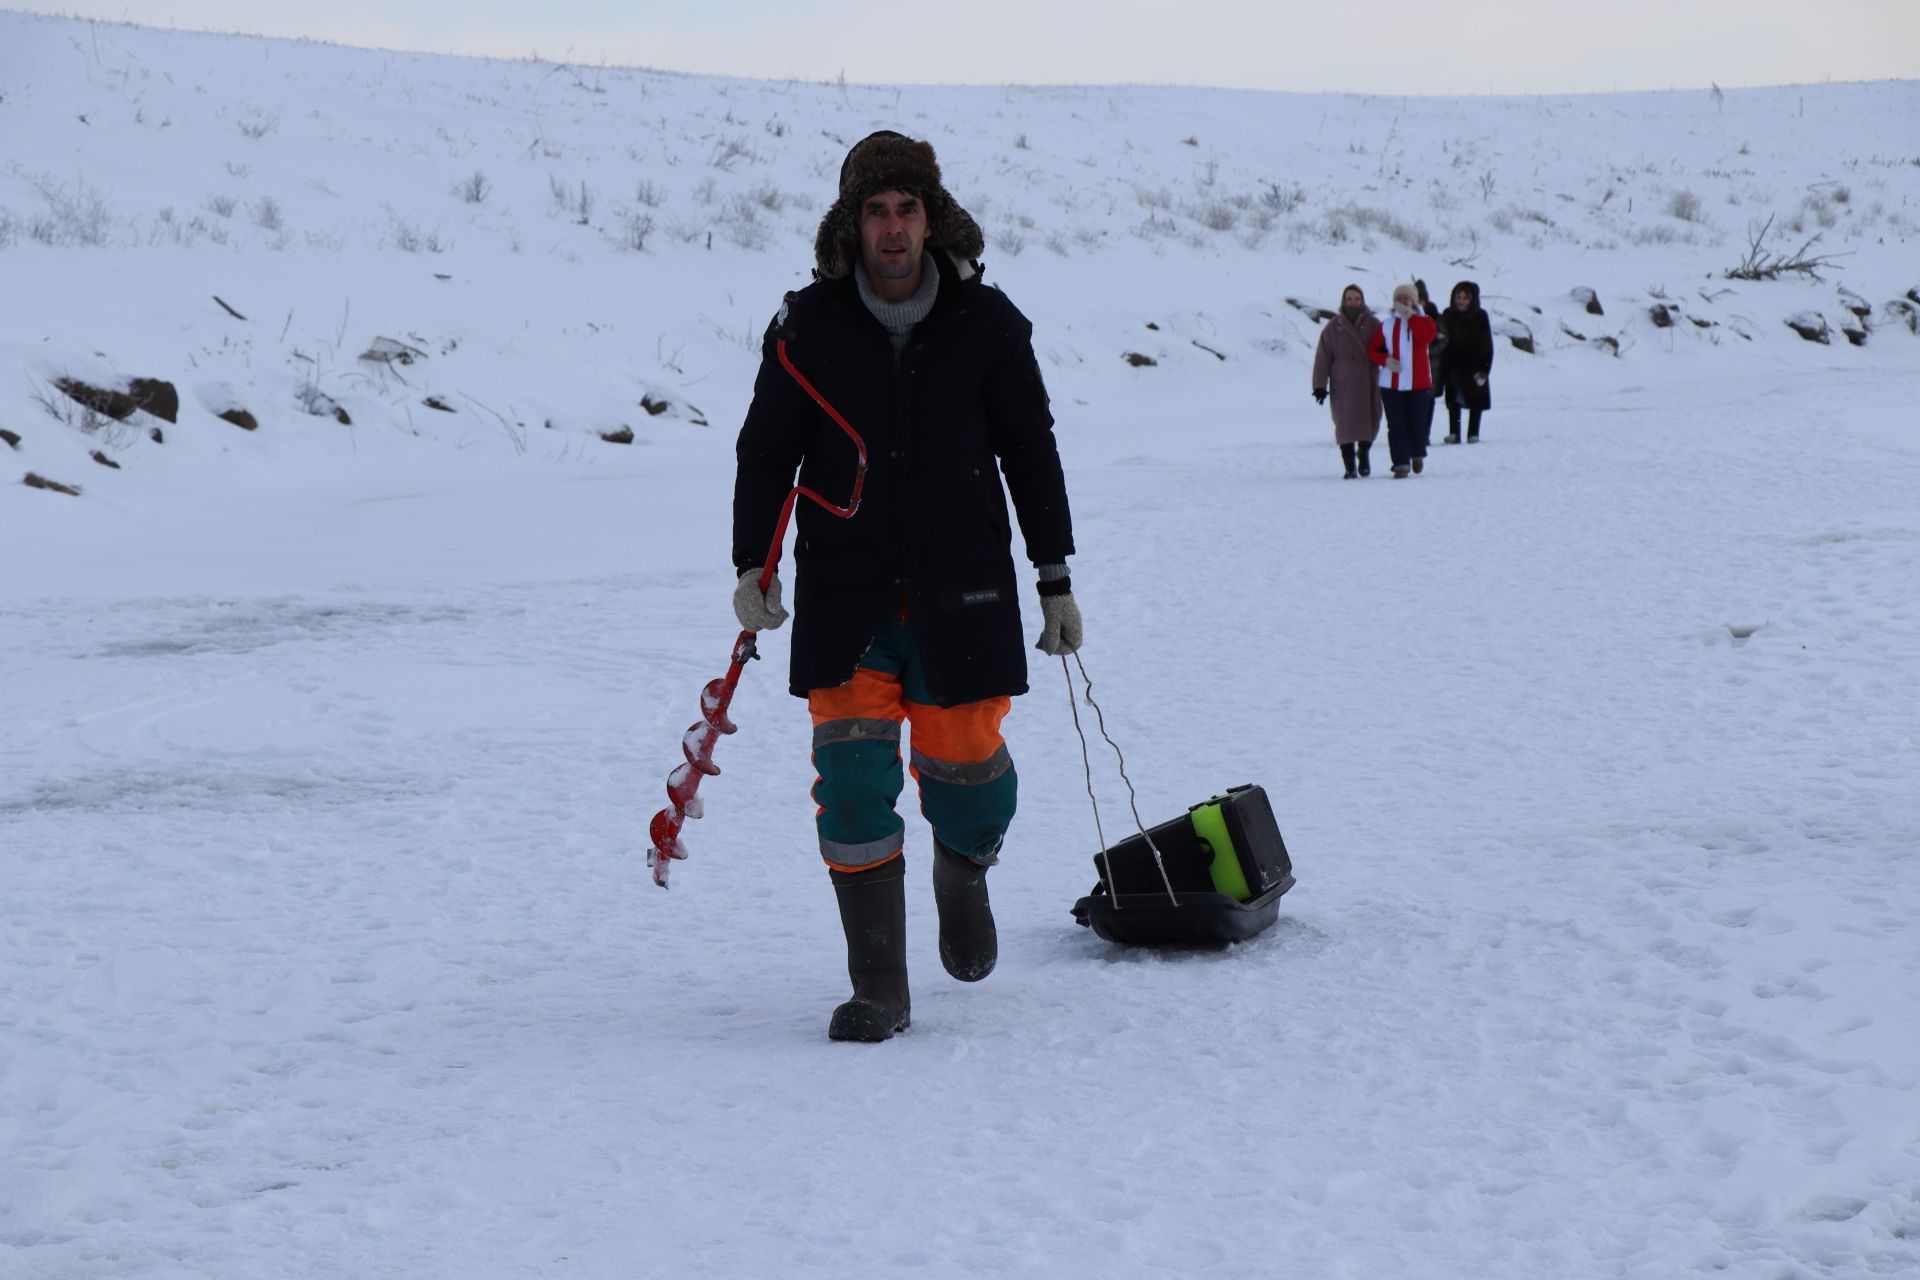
1342 369
1466 361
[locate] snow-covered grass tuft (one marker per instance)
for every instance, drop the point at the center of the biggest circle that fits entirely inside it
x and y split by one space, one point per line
258 124
75 213
1401 228
406 235
474 188
1684 205
635 227
575 203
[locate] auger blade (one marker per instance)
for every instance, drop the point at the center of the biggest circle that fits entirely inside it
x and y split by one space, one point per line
696 744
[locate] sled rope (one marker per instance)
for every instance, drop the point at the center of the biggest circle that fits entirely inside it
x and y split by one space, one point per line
1100 718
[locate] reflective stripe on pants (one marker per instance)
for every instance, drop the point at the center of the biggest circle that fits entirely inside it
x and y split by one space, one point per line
968 785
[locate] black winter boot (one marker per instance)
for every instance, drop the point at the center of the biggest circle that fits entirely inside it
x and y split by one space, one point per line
873 913
1346 456
1366 458
969 946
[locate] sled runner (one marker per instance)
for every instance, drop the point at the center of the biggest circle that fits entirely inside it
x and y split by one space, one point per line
1225 867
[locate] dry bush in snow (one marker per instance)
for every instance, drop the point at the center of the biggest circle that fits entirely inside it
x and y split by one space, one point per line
743 222
1382 221
1660 233
770 197
634 230
258 124
77 214
69 412
729 152
1215 215
575 203
1762 263
1684 205
1285 199
405 235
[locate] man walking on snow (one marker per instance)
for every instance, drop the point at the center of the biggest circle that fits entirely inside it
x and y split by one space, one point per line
909 611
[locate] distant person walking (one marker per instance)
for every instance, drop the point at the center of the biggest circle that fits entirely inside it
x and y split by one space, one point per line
1466 361
1342 371
1399 348
1437 349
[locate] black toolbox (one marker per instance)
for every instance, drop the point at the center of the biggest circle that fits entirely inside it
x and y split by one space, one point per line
1226 869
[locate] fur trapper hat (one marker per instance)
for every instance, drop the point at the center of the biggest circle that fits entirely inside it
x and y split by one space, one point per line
889 161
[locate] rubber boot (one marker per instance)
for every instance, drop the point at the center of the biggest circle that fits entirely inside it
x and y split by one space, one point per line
1346 456
969 946
873 913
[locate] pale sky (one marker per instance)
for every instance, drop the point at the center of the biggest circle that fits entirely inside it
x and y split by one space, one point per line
1373 46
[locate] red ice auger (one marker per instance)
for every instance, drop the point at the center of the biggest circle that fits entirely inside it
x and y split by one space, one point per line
683 783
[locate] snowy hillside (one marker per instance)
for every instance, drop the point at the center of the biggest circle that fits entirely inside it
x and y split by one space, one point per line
558 242
333 724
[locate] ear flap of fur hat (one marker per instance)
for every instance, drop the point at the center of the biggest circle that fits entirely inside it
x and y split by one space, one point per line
888 161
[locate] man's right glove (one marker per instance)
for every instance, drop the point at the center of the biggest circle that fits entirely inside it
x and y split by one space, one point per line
1060 632
1319 395
758 612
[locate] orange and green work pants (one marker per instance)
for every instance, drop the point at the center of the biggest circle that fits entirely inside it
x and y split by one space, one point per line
967 783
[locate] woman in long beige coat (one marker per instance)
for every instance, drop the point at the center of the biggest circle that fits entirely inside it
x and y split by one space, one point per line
1342 370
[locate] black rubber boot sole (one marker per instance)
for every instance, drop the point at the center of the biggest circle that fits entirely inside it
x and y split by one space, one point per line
864 1020
969 943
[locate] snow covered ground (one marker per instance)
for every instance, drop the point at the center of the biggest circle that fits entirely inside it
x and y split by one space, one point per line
326 944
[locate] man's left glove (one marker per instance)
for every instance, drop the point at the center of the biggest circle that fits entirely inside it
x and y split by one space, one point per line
758 612
1060 634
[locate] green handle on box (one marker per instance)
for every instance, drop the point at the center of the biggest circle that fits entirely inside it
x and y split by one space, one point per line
1210 824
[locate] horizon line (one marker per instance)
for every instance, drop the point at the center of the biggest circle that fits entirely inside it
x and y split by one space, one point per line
536 58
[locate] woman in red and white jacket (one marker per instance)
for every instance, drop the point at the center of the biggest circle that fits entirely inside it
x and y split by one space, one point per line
1399 348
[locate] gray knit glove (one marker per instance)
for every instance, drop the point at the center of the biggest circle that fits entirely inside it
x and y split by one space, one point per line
758 612
1060 635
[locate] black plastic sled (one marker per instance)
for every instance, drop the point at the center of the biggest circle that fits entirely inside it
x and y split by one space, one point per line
1225 862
